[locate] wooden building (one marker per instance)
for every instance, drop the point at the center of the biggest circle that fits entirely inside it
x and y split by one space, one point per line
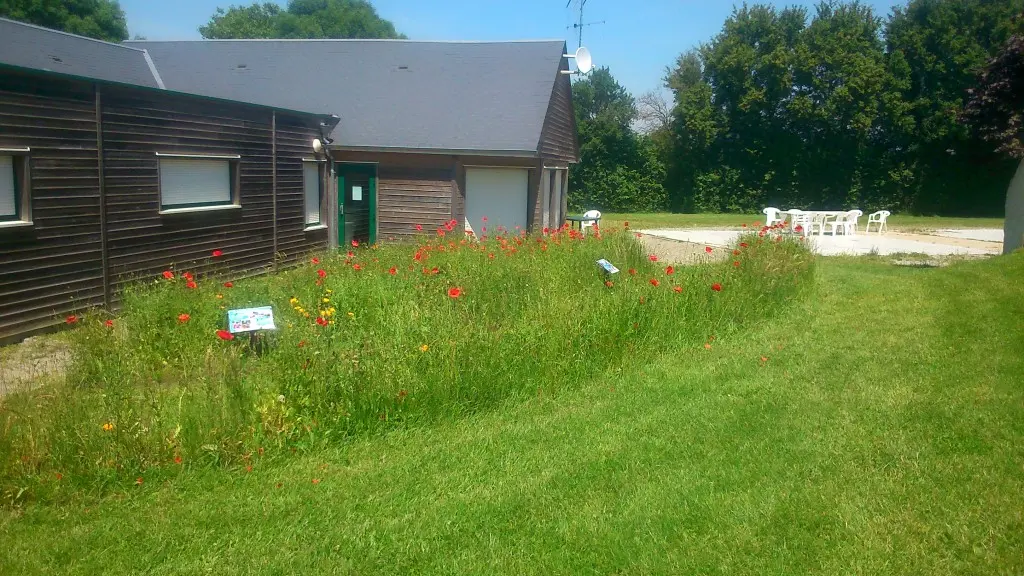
118 161
430 132
100 178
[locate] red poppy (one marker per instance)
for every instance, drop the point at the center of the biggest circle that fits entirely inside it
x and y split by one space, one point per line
708 249
109 323
419 227
316 480
454 292
632 271
744 245
191 284
744 225
639 235
716 287
187 276
546 230
315 260
653 258
71 319
735 252
654 282
321 273
434 270
59 476
491 256
177 458
736 263
670 270
217 253
625 224
608 283
302 343
764 358
357 267
168 274
707 346
182 318
138 481
484 218
225 335
393 271
678 289
321 321
355 244
798 229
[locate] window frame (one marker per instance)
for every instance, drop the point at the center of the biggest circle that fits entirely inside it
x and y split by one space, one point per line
234 180
321 171
21 164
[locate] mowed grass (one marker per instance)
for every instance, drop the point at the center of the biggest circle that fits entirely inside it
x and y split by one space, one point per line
875 428
897 222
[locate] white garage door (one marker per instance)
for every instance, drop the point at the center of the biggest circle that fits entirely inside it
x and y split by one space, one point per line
498 194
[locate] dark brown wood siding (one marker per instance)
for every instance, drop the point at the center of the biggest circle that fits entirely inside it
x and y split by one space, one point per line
53 268
411 189
558 137
141 241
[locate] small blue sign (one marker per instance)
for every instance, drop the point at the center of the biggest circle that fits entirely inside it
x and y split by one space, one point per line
251 319
607 266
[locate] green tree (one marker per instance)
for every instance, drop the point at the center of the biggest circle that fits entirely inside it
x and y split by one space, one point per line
302 19
100 19
619 170
996 106
945 44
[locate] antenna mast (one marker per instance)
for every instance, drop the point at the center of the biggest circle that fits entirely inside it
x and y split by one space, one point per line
579 25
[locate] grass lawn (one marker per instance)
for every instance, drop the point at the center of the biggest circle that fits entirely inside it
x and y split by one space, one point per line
875 428
900 222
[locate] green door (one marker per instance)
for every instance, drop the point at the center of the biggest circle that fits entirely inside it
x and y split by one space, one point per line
357 203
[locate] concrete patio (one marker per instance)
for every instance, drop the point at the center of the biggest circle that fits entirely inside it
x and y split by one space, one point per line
975 242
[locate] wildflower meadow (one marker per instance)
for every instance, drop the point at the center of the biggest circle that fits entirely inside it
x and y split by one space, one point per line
368 338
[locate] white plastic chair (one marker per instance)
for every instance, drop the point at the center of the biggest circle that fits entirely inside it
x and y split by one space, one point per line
817 219
842 222
772 216
854 217
588 223
877 218
801 219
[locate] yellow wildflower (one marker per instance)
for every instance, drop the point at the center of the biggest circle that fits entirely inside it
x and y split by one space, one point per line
326 300
351 315
108 427
424 348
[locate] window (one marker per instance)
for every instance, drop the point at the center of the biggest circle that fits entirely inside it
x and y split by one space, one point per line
15 205
313 192
198 182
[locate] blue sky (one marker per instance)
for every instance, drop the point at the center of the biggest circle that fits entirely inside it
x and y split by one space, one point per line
636 41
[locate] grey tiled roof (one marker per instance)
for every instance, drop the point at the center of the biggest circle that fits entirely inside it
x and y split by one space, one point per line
32 47
474 96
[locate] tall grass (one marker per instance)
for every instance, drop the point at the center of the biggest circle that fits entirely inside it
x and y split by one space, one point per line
153 392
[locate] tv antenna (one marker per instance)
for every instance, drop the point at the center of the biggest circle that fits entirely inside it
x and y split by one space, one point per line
579 25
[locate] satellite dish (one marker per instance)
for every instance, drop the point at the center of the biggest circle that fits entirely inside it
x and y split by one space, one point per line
318 146
584 63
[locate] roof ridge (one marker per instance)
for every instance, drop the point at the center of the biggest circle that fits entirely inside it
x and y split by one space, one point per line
396 40
63 33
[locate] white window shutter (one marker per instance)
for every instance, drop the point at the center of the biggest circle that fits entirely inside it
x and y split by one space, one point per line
311 187
194 181
8 192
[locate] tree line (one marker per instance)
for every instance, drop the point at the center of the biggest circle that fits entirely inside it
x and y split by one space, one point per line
832 108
